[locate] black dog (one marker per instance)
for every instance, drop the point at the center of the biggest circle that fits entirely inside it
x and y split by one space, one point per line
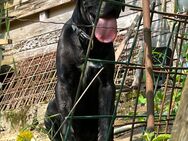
99 98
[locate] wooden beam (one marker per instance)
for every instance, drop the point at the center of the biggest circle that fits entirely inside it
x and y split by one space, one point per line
5 41
34 6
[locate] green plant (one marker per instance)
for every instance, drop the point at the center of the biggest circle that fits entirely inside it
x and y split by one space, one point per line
157 100
17 117
141 100
150 136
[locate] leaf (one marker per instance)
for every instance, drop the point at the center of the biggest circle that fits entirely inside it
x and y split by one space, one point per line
148 136
141 99
160 95
162 137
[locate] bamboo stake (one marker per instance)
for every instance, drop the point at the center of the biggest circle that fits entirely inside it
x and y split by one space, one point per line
148 64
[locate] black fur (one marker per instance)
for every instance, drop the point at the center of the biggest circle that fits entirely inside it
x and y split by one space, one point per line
99 98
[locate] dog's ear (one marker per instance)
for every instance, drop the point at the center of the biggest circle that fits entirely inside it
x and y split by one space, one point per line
123 6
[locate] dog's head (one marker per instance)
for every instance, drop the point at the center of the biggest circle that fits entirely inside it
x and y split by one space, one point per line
107 26
109 9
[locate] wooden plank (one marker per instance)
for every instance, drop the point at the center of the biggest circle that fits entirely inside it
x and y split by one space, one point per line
29 53
34 6
35 29
180 126
5 41
127 37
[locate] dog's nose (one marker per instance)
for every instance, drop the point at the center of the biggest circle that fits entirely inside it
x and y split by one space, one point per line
109 10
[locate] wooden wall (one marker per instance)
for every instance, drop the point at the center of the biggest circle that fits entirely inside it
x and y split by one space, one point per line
23 8
32 36
30 33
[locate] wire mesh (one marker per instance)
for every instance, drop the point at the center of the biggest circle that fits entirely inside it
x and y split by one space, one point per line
33 83
35 79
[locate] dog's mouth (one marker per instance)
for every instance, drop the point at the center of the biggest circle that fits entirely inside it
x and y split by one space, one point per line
106 30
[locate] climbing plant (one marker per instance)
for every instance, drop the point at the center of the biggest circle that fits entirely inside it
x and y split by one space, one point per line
4 26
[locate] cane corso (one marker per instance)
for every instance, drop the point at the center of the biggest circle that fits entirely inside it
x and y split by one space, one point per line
71 52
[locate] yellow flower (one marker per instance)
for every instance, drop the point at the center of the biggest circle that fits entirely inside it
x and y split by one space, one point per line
24 136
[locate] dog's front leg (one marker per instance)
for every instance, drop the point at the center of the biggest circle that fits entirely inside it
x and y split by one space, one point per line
64 103
106 106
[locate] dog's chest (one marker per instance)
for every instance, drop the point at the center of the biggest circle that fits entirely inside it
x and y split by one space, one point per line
91 69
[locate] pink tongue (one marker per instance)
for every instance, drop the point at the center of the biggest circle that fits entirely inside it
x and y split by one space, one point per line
106 30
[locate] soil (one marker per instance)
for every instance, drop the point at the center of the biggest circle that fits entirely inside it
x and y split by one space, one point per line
9 131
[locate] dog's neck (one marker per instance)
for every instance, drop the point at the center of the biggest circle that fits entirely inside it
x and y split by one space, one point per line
81 21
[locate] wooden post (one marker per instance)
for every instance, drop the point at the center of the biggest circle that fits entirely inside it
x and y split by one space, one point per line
148 64
180 126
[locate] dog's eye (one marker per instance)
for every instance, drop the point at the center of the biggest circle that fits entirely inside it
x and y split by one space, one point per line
90 4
